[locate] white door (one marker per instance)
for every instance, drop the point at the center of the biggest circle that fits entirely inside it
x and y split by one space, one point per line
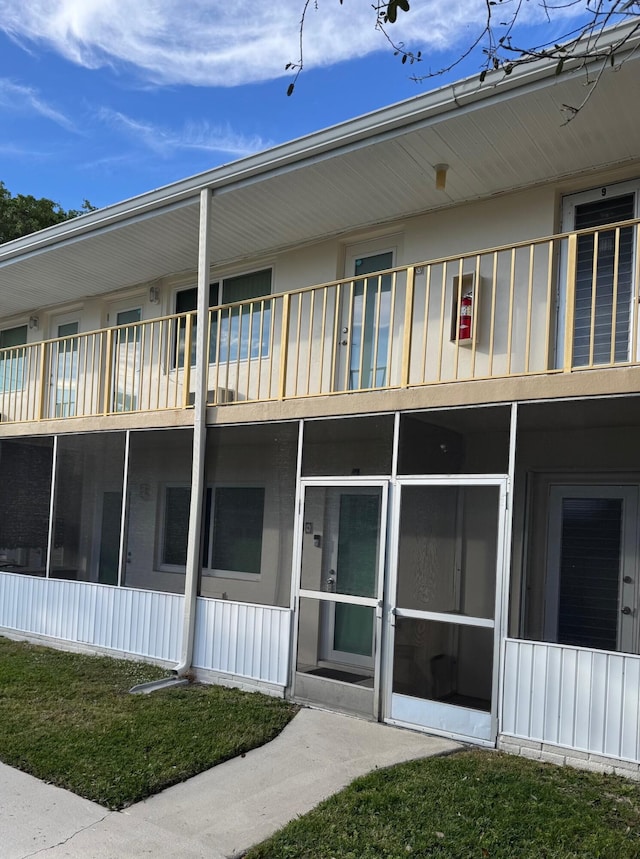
592 567
127 357
64 367
445 596
605 264
365 314
352 519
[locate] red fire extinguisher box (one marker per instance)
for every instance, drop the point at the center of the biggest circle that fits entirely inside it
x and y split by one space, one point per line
464 306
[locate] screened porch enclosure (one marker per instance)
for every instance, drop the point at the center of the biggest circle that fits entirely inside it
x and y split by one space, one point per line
113 509
581 555
93 546
572 657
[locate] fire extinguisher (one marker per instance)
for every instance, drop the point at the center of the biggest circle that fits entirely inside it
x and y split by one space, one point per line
465 317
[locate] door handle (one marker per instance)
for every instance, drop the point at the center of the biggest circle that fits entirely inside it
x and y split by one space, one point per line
626 610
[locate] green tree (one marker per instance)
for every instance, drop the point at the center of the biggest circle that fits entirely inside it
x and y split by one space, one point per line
23 214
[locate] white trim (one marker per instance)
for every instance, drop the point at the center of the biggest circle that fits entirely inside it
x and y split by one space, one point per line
124 519
593 194
503 582
446 617
346 599
373 247
115 307
440 717
52 506
450 735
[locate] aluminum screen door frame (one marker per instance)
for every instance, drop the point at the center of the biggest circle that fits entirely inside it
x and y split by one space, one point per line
375 602
446 719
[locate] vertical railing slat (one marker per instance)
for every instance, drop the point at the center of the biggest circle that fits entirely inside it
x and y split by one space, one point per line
407 327
570 308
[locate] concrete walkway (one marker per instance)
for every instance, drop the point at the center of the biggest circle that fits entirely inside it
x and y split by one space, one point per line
219 813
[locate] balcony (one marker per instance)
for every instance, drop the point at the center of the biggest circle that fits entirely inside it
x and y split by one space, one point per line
561 304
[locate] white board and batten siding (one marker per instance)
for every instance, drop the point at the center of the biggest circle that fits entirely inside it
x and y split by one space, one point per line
137 622
572 697
244 640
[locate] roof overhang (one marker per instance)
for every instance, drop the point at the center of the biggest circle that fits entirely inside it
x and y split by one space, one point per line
508 133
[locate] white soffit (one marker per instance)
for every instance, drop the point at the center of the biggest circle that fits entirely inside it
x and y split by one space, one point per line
500 147
299 193
101 262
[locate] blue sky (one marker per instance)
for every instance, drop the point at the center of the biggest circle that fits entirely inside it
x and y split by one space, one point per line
106 99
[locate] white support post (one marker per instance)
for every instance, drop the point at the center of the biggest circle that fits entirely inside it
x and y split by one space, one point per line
199 436
503 626
52 506
122 548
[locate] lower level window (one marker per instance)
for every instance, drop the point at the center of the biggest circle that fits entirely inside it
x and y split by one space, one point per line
232 525
176 525
233 536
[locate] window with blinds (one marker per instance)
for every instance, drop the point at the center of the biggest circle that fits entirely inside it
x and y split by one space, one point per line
603 293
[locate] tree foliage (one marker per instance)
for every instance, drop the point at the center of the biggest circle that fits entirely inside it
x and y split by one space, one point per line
22 214
496 38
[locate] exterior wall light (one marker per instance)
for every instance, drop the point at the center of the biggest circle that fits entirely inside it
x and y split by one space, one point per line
441 176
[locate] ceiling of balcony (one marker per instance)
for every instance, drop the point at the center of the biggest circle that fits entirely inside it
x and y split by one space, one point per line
509 135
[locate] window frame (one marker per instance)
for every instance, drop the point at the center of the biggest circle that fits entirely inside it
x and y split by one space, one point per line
207 531
16 373
216 288
162 527
568 204
216 572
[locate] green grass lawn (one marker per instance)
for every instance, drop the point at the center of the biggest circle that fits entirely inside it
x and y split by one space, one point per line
467 805
69 720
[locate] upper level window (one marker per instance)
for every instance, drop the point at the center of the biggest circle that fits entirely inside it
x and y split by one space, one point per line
234 327
12 362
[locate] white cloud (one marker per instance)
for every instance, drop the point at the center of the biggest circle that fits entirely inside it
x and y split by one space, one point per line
201 136
223 43
22 153
21 98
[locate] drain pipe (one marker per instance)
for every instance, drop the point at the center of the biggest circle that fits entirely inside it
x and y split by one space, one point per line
199 437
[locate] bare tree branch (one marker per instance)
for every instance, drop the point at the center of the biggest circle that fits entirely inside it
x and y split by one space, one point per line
579 47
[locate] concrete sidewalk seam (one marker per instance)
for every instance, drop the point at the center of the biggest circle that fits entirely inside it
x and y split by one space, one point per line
70 837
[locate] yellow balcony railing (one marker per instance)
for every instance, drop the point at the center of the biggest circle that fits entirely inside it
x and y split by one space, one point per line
137 367
562 303
559 304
